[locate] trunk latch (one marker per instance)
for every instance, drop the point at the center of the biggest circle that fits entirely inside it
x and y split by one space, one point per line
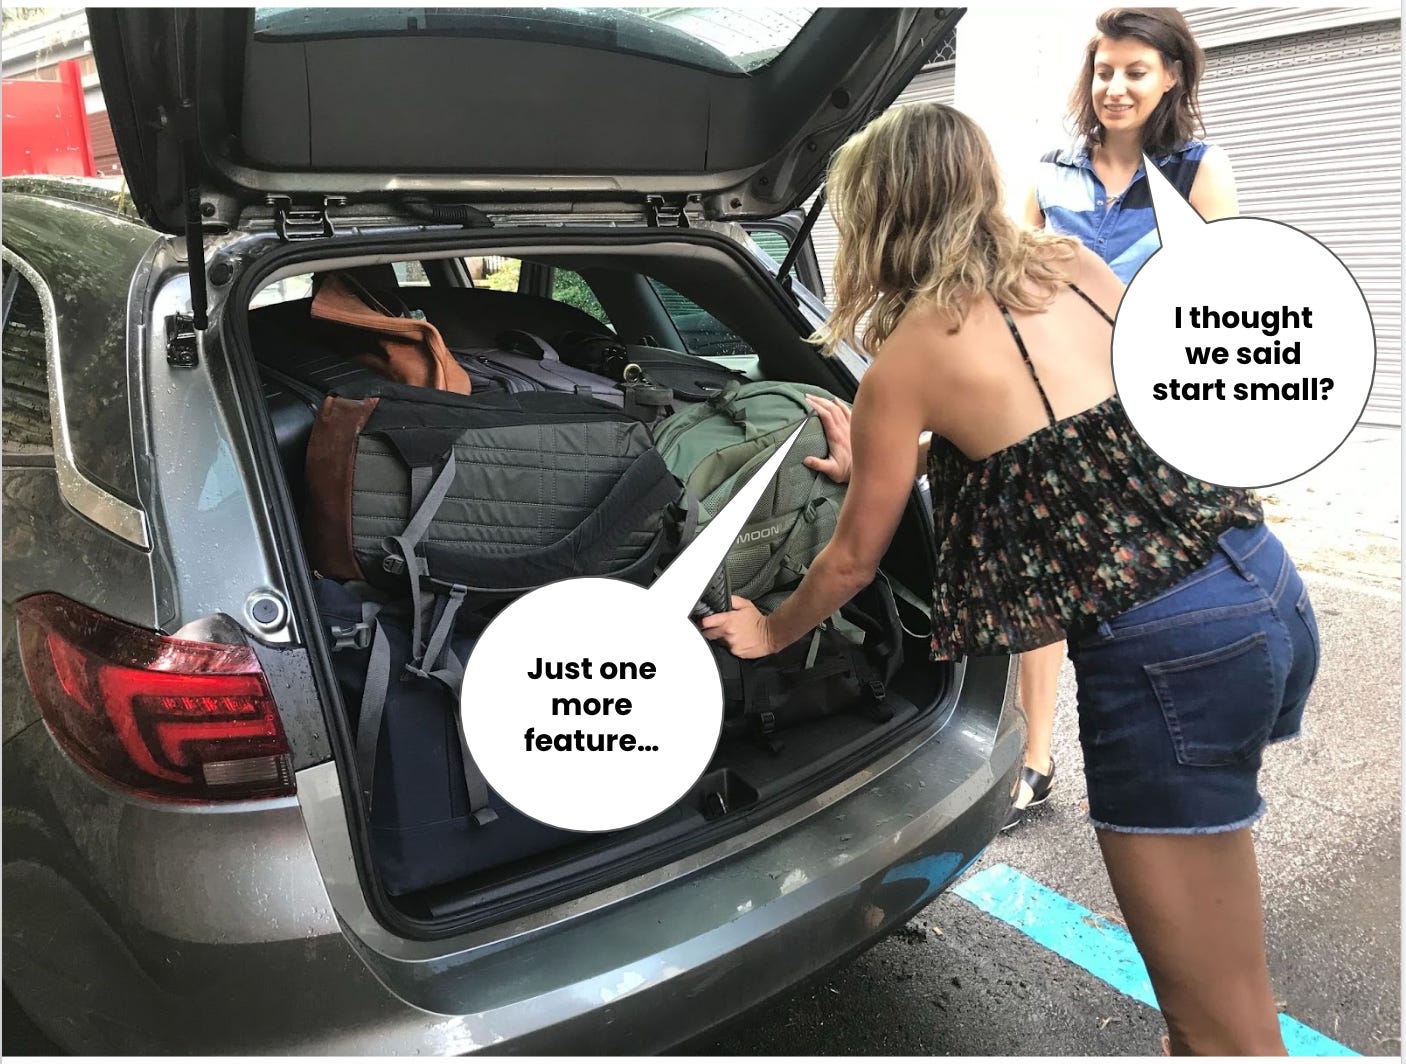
304 223
182 341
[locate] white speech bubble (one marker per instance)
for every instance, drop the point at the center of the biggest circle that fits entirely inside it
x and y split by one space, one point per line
522 665
1243 350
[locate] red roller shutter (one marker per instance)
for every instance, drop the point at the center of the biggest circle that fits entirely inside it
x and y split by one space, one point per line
104 146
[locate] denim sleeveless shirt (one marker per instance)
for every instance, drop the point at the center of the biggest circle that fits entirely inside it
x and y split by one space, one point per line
1075 203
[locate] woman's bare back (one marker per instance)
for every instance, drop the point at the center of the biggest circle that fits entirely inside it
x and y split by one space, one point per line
980 395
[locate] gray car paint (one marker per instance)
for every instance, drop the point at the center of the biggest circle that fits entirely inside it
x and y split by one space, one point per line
149 929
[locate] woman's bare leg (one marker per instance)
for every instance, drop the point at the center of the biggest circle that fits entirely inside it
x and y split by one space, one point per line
1192 903
1039 681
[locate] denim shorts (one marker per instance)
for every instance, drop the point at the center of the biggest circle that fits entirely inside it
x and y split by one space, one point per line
1179 696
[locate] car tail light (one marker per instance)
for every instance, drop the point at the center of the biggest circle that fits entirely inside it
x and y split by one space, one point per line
170 719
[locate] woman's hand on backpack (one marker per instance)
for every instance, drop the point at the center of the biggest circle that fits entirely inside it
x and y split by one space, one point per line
834 419
744 629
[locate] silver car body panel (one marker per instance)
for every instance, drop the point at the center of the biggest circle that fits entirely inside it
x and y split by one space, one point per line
210 505
95 503
214 928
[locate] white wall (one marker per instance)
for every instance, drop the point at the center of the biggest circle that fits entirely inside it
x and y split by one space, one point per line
1015 68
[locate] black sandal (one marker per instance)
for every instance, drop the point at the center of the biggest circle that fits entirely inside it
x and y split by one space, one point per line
1040 784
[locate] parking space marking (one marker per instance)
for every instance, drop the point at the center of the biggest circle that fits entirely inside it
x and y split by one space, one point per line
1101 947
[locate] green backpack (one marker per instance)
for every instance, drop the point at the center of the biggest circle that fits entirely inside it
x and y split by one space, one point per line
714 446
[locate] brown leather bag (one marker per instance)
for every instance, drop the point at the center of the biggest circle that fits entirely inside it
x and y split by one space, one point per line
403 349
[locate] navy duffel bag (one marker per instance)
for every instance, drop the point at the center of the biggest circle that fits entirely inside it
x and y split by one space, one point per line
434 818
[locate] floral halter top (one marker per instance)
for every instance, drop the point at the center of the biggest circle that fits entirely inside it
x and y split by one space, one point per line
1072 525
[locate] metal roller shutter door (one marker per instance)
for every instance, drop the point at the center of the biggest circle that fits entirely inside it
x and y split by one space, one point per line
105 157
935 83
1312 124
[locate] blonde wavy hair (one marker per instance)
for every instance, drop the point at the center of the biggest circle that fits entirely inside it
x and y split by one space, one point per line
917 199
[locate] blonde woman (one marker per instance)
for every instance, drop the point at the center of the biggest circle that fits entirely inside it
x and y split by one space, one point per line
1192 637
1136 93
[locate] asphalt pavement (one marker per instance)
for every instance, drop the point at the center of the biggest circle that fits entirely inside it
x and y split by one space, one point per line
957 981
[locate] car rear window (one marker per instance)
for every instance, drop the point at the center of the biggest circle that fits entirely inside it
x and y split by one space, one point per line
728 40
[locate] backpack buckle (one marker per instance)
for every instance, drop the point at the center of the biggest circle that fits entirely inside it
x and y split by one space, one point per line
351 637
397 566
877 690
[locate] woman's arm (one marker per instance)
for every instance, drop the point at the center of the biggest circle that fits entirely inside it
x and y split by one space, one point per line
1213 191
1034 217
884 433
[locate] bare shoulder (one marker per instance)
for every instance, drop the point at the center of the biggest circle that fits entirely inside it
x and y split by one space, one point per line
1097 281
1215 160
1213 191
922 345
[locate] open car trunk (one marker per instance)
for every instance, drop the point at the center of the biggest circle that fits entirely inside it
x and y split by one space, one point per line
703 297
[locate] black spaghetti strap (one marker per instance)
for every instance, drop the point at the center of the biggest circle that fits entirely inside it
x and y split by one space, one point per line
1086 298
1024 354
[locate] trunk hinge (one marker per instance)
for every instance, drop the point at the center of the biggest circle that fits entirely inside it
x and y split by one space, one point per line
661 214
304 223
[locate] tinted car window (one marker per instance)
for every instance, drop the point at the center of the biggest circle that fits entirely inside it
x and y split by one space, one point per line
24 367
702 334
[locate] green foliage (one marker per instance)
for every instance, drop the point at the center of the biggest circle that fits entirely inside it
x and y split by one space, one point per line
504 279
570 288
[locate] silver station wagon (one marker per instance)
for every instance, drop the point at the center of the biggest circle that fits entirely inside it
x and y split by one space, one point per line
188 868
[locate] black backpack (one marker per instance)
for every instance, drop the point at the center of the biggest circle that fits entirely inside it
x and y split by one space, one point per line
843 666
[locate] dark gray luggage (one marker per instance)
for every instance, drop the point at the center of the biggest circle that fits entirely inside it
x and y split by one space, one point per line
521 361
492 495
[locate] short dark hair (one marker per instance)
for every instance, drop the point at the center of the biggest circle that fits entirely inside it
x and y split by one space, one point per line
1178 114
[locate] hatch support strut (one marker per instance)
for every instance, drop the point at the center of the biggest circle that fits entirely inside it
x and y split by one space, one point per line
187 131
783 273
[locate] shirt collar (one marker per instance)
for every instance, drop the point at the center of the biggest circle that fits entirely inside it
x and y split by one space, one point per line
1077 155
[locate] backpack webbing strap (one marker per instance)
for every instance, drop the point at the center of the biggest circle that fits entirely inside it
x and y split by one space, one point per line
373 706
402 550
429 666
373 703
904 595
479 808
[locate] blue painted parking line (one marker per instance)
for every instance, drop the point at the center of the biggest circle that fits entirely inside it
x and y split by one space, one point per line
1099 946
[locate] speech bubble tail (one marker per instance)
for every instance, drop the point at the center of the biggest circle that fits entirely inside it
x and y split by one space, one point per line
1176 217
679 586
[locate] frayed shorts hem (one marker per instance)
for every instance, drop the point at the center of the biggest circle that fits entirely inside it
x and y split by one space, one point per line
1236 826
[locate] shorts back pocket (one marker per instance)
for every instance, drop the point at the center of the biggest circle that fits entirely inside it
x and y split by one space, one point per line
1219 705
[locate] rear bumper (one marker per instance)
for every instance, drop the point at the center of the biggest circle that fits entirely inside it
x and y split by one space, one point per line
637 970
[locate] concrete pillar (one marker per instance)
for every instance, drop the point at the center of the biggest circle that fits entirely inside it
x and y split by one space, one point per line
1016 66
